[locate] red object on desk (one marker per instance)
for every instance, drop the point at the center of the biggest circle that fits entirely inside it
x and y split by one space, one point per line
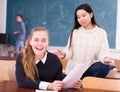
6 58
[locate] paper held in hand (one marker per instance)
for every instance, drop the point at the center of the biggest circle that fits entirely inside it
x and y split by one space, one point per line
75 74
37 90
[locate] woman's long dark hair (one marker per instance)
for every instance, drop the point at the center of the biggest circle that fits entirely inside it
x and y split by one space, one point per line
88 9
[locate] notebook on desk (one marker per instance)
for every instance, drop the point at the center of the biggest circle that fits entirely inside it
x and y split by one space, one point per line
117 64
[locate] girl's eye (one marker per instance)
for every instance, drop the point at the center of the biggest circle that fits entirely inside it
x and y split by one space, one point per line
43 40
78 17
84 15
36 40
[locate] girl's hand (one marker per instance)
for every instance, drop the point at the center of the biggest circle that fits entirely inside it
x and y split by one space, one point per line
77 84
56 85
60 54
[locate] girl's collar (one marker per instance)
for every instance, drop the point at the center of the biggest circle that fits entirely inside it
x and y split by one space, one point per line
43 60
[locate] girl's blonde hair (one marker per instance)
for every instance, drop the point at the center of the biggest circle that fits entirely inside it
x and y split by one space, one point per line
28 56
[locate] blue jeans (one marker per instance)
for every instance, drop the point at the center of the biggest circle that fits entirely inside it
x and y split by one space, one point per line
97 69
19 45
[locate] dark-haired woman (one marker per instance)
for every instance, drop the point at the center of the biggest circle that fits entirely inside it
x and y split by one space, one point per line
87 42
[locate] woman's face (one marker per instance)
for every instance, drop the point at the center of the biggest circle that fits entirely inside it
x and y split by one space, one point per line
84 18
39 43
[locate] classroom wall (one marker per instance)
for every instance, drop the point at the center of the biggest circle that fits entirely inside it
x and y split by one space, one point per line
57 17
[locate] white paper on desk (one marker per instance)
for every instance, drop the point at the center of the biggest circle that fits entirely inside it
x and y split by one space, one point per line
75 74
37 90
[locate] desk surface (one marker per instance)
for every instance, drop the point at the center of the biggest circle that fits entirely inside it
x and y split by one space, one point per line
113 74
11 86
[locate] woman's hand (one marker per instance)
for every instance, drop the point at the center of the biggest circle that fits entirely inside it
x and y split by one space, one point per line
60 54
77 84
56 85
108 60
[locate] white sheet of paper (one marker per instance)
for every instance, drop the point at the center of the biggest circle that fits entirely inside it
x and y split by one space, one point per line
75 74
37 90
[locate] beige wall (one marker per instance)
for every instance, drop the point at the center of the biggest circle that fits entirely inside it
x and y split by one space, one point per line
118 26
3 4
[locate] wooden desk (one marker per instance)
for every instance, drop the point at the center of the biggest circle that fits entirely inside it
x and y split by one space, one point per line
113 74
11 86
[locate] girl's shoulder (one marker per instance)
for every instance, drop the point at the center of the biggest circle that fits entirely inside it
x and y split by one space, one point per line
52 55
19 59
77 30
54 58
100 29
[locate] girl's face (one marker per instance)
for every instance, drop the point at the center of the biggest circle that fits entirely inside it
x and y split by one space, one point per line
39 43
84 18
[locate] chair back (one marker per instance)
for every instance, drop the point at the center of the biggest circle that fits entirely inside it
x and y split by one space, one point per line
117 64
64 63
7 70
101 84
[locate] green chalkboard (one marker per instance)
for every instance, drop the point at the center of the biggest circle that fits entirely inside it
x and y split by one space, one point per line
57 16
